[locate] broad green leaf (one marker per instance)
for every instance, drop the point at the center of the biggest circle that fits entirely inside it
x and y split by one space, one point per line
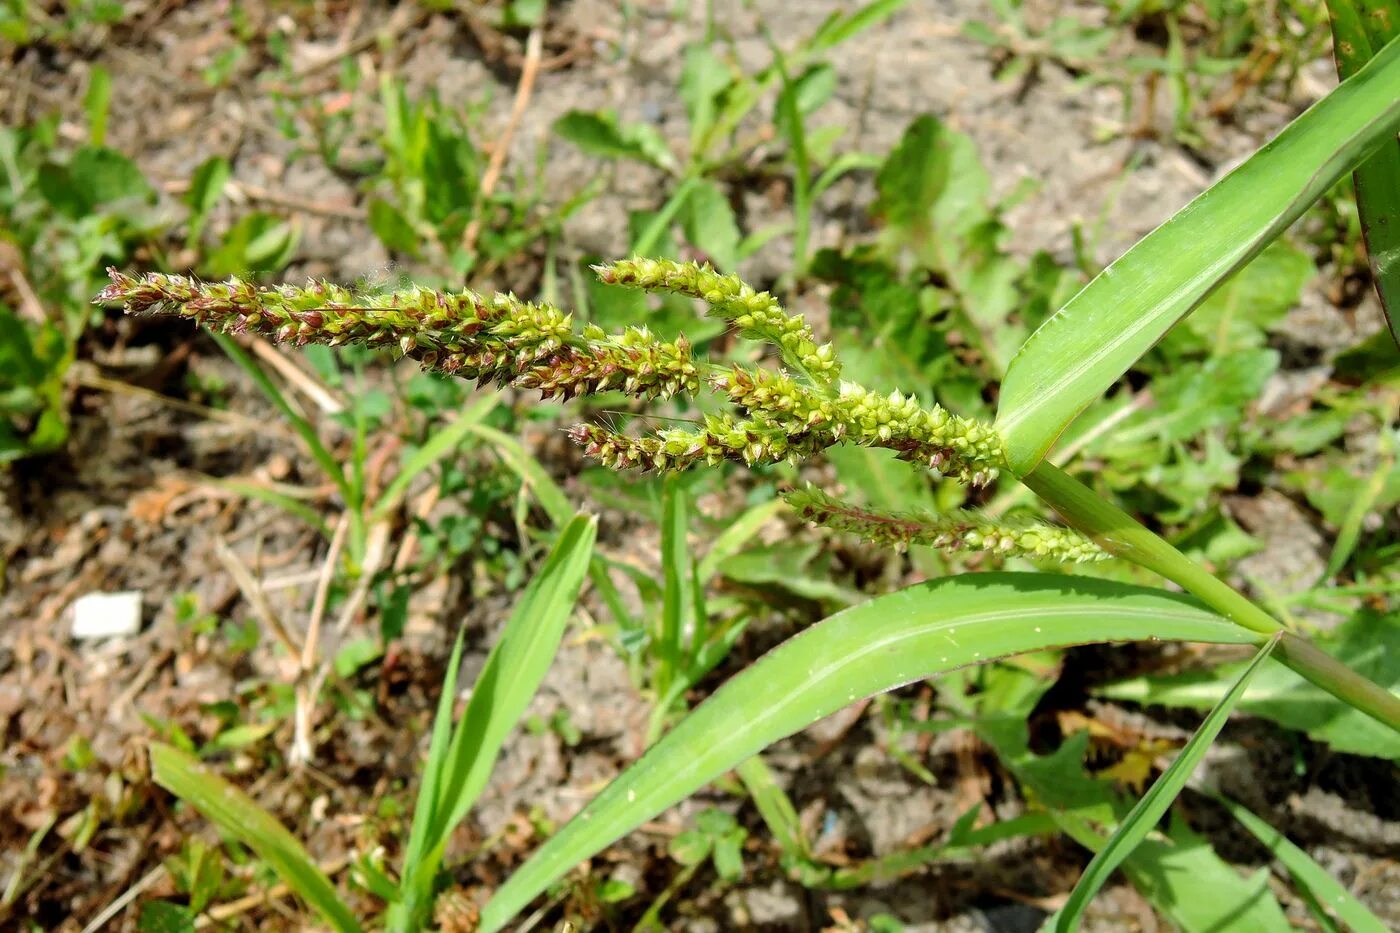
599 133
33 411
882 325
709 224
1307 874
1368 644
1153 805
803 96
1241 312
1086 346
392 227
514 669
94 176
889 641
931 187
238 815
935 198
1197 890
1359 29
259 242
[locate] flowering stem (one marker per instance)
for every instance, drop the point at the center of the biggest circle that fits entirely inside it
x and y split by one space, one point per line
1119 533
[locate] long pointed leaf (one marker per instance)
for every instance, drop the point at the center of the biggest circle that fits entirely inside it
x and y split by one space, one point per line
892 640
238 815
512 674
318 450
551 498
421 833
1359 28
1144 816
1307 873
438 445
1090 342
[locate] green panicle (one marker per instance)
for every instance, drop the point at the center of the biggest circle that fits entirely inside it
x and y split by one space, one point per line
780 416
757 315
954 530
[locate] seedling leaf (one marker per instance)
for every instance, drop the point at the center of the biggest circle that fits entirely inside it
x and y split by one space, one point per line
239 816
457 771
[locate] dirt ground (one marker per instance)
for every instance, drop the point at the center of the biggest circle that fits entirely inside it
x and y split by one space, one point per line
125 508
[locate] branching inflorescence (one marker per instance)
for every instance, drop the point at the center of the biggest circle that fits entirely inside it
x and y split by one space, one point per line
787 414
954 530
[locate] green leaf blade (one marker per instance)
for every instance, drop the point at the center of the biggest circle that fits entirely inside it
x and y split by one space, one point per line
1307 873
458 770
238 815
1358 30
1153 805
892 640
1090 342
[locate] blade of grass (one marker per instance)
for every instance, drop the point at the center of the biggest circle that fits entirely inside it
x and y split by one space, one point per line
660 222
551 498
438 445
1149 810
318 451
1306 872
796 131
426 806
1359 30
512 674
774 805
735 535
890 641
238 815
289 504
1350 531
1102 331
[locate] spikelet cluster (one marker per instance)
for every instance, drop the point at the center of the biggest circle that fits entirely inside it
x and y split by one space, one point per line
756 315
499 339
955 530
962 448
719 439
787 414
